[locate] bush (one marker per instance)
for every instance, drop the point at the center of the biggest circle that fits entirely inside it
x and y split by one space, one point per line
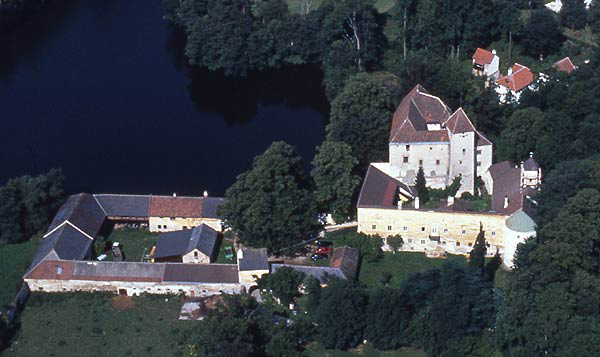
368 246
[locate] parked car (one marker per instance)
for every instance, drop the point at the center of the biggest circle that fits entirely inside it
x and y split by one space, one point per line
324 243
324 250
319 256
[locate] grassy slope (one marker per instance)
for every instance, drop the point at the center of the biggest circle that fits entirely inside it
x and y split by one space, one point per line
400 265
81 324
14 259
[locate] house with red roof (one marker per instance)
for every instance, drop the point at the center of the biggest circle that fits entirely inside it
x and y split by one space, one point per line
486 64
564 65
518 78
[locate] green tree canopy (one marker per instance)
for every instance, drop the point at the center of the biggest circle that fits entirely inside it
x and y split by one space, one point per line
522 131
335 182
361 115
573 14
477 254
270 205
541 34
395 242
283 283
387 318
341 315
421 186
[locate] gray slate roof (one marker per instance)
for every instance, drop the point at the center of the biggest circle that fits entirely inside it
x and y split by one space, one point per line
210 206
320 273
520 222
380 189
179 243
253 259
81 210
201 273
117 270
124 205
530 164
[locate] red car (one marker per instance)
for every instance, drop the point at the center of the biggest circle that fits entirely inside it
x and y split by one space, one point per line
324 250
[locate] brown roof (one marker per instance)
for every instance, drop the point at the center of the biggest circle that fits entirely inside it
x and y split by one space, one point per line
408 134
380 189
346 259
482 56
565 65
419 108
507 184
169 206
49 269
459 123
520 78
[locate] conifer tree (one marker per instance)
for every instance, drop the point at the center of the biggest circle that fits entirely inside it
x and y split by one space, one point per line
421 186
477 254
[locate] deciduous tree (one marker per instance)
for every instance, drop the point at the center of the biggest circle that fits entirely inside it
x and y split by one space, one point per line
270 205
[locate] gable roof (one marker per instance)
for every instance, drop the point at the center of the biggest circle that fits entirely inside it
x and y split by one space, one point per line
201 273
210 206
170 206
507 184
482 140
83 211
482 56
565 65
346 259
459 123
530 164
520 78
253 259
124 205
380 189
419 108
178 243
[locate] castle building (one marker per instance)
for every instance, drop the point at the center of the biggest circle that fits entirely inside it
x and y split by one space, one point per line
426 134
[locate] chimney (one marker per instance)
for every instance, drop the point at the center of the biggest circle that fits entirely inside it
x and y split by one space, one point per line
494 52
205 193
531 154
174 194
399 204
450 200
416 202
505 201
509 71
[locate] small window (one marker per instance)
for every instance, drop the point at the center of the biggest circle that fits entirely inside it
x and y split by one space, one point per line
464 150
195 254
434 230
58 270
437 162
407 147
478 163
470 244
463 232
185 227
478 151
422 241
172 218
405 159
445 230
430 148
373 226
420 162
422 229
405 229
460 162
409 240
493 234
444 242
487 245
389 228
458 244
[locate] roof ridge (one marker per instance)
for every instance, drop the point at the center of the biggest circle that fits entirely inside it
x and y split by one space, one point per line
100 204
78 229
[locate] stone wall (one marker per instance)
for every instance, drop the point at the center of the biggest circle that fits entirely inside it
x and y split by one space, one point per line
434 157
132 288
422 230
168 224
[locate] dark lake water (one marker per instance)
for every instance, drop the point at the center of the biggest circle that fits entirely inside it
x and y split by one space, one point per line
101 89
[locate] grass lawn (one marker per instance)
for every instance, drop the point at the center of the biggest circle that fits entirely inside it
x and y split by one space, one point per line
400 265
14 259
135 242
316 349
87 324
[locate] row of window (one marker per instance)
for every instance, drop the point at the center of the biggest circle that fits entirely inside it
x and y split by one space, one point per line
433 229
164 226
444 243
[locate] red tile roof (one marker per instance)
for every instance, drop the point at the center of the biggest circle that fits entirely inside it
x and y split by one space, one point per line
520 78
482 56
565 65
168 206
459 123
